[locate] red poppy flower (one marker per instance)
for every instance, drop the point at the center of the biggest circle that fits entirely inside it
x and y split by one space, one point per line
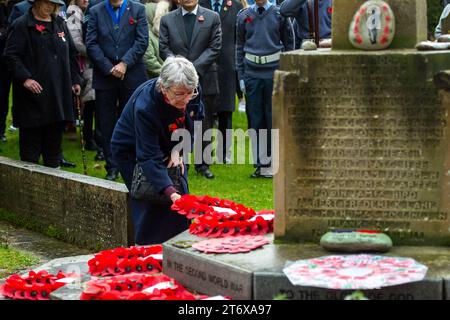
248 19
132 21
330 10
40 28
173 127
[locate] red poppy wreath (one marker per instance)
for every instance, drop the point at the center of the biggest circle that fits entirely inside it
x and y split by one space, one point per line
146 259
136 287
35 286
215 218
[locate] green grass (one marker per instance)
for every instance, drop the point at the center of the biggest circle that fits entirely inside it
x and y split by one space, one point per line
231 182
12 261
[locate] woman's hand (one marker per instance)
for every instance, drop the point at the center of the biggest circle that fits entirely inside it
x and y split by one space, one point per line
33 86
174 197
175 160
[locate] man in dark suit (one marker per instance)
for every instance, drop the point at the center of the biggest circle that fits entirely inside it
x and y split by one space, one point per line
227 10
194 33
116 40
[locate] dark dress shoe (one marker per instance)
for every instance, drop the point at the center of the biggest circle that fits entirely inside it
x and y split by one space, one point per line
3 138
67 164
206 173
257 173
112 175
99 156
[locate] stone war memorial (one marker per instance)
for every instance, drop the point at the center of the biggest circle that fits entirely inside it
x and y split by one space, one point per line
364 148
364 144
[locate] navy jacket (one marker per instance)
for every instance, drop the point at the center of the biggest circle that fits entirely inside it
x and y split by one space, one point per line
106 47
299 10
142 133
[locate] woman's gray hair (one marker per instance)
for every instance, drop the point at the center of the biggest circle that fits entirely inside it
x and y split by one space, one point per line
178 71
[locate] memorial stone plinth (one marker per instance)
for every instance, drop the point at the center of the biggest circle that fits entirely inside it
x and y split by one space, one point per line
363 145
258 274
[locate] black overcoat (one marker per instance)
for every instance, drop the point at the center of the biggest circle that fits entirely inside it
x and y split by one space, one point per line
48 57
226 61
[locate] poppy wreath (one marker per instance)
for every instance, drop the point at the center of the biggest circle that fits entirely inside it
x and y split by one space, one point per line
194 206
211 221
146 259
35 286
136 287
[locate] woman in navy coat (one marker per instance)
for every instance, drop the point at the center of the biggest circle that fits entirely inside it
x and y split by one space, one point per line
143 135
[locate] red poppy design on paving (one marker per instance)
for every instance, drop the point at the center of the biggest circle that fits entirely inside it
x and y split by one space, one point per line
237 244
35 286
330 10
201 18
248 19
132 21
137 287
40 28
218 218
145 259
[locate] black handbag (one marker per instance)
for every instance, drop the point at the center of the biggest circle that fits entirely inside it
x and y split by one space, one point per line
142 189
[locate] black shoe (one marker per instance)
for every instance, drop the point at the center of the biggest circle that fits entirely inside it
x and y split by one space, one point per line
206 173
91 145
99 156
257 173
112 175
64 163
2 138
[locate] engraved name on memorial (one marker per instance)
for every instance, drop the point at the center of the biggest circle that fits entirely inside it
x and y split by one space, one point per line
367 141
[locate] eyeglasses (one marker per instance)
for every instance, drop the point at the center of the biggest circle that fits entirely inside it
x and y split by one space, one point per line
179 96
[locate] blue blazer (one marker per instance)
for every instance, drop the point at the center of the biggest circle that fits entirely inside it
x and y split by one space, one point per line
106 47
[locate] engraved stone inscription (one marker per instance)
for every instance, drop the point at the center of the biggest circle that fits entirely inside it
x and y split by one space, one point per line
370 140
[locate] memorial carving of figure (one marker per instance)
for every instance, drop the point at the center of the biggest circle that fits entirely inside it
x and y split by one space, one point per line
373 26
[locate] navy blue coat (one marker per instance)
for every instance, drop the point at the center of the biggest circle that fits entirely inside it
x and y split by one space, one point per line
142 136
106 47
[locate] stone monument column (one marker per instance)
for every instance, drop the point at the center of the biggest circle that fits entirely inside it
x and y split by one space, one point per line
364 137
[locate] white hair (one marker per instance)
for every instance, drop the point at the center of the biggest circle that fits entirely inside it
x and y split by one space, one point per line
178 71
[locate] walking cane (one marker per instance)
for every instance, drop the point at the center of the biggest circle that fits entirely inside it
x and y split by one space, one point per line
80 125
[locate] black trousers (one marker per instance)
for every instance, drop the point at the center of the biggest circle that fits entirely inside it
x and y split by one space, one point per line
5 85
91 131
209 101
225 122
109 106
43 140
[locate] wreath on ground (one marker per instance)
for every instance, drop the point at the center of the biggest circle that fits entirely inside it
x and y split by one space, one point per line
136 287
118 261
35 286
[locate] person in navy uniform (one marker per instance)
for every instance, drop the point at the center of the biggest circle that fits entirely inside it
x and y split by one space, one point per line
302 11
116 40
262 33
143 135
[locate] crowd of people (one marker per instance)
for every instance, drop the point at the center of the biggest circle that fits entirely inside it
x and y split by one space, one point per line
198 54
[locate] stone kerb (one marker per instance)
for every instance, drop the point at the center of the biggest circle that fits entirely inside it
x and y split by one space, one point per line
89 212
410 15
